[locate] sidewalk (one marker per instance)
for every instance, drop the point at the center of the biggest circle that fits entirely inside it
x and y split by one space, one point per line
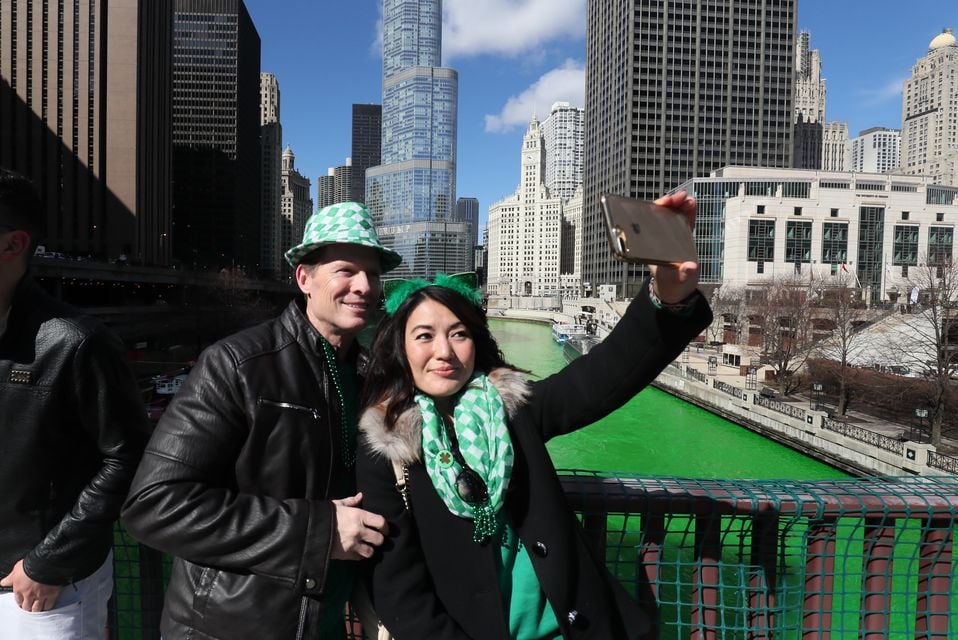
698 360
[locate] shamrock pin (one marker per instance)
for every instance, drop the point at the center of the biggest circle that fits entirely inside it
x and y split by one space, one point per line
445 459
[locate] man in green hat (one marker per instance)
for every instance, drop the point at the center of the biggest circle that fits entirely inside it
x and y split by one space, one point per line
248 478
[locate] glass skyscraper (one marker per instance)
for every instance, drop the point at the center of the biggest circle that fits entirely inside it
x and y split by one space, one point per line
412 194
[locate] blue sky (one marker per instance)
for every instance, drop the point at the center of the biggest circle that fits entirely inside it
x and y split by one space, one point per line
518 56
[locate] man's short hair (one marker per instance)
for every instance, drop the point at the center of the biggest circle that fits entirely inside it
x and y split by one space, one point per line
20 206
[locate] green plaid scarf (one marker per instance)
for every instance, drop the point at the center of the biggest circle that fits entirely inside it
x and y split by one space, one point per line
480 425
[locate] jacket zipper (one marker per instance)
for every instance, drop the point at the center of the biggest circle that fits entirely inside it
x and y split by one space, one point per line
301 628
287 405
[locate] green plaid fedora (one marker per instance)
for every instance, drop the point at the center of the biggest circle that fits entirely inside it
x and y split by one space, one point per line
342 223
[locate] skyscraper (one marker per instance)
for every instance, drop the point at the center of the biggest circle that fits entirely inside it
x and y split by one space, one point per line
525 230
271 147
336 185
85 113
876 150
836 155
929 137
216 127
809 105
562 136
296 203
467 210
675 90
366 146
411 194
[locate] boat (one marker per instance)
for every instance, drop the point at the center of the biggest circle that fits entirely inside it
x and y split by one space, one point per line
563 331
575 347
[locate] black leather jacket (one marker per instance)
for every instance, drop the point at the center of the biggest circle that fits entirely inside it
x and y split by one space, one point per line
236 483
72 429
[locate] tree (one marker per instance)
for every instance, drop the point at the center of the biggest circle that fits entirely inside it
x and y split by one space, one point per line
927 341
728 312
782 310
843 316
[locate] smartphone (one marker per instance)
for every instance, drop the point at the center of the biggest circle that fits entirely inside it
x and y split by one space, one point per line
647 233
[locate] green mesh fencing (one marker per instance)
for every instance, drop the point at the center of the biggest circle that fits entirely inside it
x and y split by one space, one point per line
712 559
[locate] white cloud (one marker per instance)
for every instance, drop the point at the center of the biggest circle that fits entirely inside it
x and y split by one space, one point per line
889 91
565 83
508 27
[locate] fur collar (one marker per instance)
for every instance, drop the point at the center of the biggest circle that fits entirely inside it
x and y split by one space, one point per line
404 443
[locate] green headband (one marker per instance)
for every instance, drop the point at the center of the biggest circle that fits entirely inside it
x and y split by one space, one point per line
397 289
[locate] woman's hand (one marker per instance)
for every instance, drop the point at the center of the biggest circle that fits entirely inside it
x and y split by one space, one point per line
674 283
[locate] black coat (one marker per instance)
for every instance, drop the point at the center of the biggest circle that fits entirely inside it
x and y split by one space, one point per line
236 483
430 579
72 428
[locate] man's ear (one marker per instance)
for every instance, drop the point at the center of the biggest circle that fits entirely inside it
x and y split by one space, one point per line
302 278
14 244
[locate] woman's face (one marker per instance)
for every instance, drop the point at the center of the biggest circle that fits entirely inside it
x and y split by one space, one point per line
440 350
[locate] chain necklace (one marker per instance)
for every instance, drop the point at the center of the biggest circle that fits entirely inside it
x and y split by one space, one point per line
348 433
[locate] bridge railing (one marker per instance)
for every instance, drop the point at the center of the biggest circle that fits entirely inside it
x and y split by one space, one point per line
713 559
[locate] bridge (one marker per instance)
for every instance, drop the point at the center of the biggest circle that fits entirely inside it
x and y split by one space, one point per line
711 559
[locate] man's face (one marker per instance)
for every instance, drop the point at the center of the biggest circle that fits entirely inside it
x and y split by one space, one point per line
341 290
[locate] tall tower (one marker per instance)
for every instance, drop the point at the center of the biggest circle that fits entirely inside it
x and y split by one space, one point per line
467 210
929 137
216 127
809 105
562 137
412 193
675 90
366 146
85 104
296 205
271 146
525 230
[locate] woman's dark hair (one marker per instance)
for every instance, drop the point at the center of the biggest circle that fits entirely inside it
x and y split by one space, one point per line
389 377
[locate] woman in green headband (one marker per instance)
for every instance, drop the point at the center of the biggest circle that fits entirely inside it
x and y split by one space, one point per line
482 543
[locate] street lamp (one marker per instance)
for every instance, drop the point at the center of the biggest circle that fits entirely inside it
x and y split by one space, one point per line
921 413
816 396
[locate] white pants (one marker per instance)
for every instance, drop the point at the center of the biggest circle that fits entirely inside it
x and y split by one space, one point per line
79 612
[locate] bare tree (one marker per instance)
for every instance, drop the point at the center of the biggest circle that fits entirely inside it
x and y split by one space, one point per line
842 314
782 309
727 310
927 340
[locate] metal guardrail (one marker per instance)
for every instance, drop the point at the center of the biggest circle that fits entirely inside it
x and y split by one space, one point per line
695 374
940 461
779 406
864 435
725 387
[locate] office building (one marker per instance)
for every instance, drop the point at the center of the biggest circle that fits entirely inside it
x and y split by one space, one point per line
87 125
525 230
676 90
336 185
817 223
809 104
467 210
216 128
271 147
411 195
836 150
296 206
562 136
570 247
929 136
366 146
876 150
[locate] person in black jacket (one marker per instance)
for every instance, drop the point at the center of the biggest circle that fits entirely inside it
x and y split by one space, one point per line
248 479
482 544
72 428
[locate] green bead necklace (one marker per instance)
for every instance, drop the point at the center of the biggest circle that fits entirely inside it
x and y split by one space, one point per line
348 432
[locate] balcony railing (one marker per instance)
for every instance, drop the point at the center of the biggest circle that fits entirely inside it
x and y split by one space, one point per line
713 559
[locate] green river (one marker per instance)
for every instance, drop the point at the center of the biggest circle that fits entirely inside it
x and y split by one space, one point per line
656 433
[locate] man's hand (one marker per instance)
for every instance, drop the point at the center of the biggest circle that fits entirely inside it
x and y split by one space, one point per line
29 594
358 532
674 283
